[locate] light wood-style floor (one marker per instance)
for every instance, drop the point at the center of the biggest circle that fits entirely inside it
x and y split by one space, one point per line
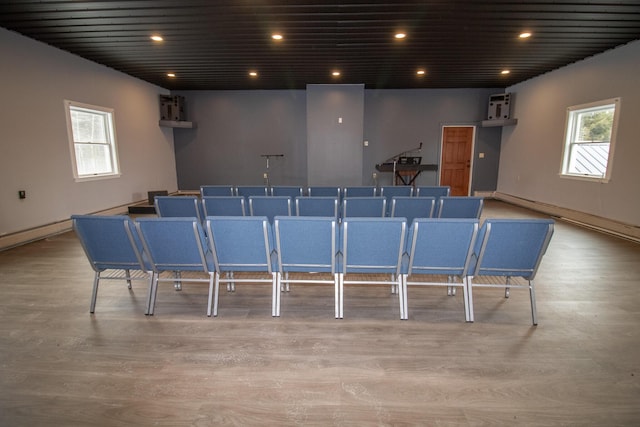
61 366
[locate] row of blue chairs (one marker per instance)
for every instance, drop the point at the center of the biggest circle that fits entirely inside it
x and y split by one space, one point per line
431 252
388 192
272 206
324 191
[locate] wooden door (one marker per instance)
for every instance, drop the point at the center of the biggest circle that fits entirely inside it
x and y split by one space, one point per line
455 167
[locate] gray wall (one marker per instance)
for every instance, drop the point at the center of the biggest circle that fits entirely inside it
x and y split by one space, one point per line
532 150
485 170
334 134
34 149
399 120
236 127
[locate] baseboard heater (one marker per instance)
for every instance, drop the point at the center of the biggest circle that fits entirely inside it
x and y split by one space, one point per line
593 222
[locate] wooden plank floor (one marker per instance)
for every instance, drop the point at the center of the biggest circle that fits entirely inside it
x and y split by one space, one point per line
61 366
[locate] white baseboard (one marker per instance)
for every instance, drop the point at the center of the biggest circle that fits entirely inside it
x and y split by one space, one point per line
620 229
9 241
485 194
42 232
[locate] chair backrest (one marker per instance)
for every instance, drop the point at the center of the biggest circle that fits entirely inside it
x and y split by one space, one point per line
306 244
364 207
388 192
216 190
441 246
175 244
282 190
241 243
433 191
247 191
372 245
396 190
359 191
110 242
511 247
325 191
178 206
270 206
224 206
459 207
412 207
317 206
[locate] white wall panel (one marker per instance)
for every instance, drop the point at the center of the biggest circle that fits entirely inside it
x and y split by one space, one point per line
34 147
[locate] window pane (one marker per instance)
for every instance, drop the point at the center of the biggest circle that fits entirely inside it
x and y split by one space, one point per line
93 159
88 127
589 159
595 126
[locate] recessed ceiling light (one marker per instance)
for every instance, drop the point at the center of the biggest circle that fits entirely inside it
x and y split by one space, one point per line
400 35
505 72
421 72
157 38
335 73
171 74
277 36
253 73
525 35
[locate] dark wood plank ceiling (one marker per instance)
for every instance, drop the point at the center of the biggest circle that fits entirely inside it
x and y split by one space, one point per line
215 44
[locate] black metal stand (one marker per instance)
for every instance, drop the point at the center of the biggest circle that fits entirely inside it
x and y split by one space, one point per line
396 174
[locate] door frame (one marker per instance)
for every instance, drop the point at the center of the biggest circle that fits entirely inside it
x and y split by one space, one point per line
473 147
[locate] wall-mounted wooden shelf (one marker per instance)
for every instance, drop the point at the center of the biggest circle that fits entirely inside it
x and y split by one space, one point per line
499 122
177 124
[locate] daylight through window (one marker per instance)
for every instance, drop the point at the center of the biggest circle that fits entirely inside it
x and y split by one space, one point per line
590 138
92 141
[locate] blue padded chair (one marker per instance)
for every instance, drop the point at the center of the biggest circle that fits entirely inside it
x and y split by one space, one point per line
509 248
283 190
388 192
317 206
270 206
113 250
179 206
433 191
242 244
216 190
364 207
371 245
247 191
438 248
412 207
307 245
224 206
459 207
324 191
175 245
359 191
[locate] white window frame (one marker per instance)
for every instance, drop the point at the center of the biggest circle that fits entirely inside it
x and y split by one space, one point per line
108 114
570 131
